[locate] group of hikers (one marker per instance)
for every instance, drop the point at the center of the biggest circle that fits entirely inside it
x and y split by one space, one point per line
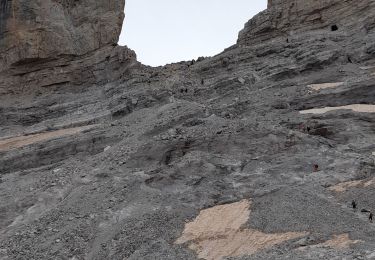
370 217
316 169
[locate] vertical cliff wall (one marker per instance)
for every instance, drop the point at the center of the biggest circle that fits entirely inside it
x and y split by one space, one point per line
45 29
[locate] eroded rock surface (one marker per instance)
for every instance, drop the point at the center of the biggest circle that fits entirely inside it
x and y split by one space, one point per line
288 18
102 157
49 29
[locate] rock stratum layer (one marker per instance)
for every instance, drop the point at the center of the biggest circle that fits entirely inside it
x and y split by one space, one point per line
255 153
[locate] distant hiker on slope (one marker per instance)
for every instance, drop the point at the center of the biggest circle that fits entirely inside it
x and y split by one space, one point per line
354 205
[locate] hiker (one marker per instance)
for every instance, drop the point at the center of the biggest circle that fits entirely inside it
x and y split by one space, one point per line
354 205
370 217
316 167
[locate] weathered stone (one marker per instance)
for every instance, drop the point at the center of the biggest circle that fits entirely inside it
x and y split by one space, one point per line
48 29
288 18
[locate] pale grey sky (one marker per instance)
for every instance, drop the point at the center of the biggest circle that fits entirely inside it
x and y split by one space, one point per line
165 31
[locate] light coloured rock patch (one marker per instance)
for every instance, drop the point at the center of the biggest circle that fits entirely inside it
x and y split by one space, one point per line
325 85
217 233
340 242
362 108
21 141
344 186
367 67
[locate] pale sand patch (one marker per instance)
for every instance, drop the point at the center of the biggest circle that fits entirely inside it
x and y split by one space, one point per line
325 85
21 141
216 233
344 186
362 108
340 242
369 183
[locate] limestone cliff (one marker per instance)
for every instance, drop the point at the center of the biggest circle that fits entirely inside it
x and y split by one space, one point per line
60 43
48 29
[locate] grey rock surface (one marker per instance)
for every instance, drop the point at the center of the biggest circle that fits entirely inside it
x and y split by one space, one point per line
49 29
102 157
286 18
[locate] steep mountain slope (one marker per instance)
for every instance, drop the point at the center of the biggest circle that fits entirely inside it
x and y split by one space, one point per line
256 153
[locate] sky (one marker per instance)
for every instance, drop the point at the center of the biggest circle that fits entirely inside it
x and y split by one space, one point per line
166 31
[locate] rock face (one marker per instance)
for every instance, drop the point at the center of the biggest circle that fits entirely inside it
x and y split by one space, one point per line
60 43
48 29
255 153
285 18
